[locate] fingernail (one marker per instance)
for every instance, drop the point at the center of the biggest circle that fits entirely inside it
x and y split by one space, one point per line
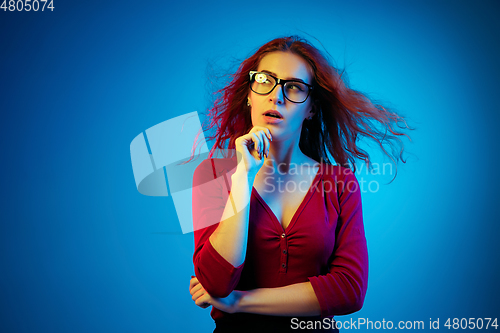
193 276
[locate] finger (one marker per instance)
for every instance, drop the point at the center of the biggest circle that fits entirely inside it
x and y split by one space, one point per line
198 294
262 145
197 287
268 134
265 136
193 282
265 129
203 301
266 142
257 141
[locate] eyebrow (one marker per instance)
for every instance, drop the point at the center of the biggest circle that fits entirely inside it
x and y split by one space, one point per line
288 78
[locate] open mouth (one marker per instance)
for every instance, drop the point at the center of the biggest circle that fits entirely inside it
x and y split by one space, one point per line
273 114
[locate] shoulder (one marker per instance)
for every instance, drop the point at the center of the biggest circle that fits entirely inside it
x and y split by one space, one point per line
212 168
336 171
341 177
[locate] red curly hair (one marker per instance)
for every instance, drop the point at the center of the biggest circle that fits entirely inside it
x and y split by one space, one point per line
342 117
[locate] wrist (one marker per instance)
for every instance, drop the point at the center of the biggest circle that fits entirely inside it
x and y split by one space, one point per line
242 175
241 300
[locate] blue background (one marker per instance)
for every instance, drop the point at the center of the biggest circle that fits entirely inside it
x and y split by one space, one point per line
81 250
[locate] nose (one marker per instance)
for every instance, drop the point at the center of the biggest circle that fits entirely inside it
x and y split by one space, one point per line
276 96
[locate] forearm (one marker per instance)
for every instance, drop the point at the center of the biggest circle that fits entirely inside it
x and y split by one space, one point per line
294 300
230 237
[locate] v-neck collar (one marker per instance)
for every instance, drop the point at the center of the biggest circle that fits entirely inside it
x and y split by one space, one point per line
299 209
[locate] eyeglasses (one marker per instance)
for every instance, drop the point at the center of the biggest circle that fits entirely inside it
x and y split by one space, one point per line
295 91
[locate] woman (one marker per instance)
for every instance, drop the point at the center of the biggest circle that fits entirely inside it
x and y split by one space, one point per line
279 236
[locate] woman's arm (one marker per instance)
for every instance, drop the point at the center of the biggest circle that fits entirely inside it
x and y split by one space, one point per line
221 226
293 300
342 290
217 265
230 237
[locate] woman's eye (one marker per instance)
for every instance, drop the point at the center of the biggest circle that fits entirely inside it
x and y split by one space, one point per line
295 86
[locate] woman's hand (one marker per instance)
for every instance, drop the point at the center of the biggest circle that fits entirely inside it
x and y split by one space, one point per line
253 147
203 299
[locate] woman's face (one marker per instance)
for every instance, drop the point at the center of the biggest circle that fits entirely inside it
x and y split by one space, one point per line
287 66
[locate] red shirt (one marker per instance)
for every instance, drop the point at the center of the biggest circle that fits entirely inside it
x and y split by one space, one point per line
324 242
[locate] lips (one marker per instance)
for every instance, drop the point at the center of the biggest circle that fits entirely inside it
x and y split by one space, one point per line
273 114
272 117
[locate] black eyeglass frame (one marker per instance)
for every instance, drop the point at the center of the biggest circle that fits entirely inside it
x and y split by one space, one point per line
280 82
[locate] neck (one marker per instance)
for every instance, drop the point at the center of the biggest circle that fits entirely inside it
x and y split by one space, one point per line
284 155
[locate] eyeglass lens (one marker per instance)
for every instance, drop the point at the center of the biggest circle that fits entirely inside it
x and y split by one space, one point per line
295 91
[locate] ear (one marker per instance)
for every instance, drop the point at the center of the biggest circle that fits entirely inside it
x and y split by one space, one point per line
249 101
314 106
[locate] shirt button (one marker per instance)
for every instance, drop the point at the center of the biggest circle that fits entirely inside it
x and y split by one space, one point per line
283 265
283 235
284 251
